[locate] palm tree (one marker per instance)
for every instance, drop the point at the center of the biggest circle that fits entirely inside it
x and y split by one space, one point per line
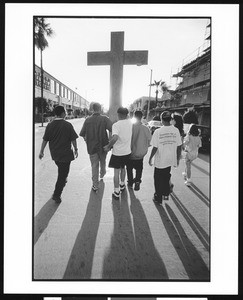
42 29
157 84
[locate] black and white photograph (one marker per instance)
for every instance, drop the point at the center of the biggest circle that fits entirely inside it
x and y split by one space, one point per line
120 177
99 219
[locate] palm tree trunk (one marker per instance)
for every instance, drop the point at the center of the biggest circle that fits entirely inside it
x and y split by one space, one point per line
41 88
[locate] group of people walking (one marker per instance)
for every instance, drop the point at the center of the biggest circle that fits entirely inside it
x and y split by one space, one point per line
129 143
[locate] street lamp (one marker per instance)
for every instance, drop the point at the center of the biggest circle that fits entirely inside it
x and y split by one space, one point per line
150 84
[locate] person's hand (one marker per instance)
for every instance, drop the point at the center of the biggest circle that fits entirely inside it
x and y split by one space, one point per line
106 148
41 155
76 153
150 162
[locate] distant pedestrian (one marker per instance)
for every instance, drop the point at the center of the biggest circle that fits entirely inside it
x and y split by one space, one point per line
94 132
121 149
189 117
177 121
61 137
166 142
192 143
141 137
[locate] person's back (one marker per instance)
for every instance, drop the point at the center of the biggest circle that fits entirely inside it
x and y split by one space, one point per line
61 137
141 137
95 132
123 129
192 144
59 134
167 138
166 142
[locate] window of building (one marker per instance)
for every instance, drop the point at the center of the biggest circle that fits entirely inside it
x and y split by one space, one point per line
57 89
52 86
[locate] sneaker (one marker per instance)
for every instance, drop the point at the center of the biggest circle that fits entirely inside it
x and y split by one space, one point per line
95 188
137 186
188 182
171 188
102 177
116 195
122 187
166 198
156 200
184 175
130 184
57 199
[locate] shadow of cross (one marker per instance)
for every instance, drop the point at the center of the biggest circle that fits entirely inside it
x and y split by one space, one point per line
116 58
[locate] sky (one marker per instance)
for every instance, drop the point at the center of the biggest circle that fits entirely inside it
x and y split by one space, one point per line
168 41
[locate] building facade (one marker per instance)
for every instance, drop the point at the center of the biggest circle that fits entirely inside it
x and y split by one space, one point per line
57 93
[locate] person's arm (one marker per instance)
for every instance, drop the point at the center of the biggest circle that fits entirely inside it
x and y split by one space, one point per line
43 145
153 151
74 143
112 141
83 131
178 154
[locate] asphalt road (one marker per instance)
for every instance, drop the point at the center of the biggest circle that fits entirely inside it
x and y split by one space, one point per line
90 236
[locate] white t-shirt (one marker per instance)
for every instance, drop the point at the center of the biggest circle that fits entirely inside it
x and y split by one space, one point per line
166 139
123 128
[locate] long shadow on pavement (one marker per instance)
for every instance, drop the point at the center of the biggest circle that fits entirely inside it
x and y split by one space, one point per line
132 253
193 263
81 259
195 226
199 194
150 262
120 261
43 218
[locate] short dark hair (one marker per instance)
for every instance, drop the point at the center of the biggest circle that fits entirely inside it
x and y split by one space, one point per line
58 110
122 111
138 114
179 122
193 130
166 116
96 106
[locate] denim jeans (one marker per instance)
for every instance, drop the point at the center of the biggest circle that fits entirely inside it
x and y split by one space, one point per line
63 170
98 163
138 166
162 181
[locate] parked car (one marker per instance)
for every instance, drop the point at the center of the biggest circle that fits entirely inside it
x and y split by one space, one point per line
153 125
205 136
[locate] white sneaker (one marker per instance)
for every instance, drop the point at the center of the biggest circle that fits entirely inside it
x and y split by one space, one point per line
188 182
184 175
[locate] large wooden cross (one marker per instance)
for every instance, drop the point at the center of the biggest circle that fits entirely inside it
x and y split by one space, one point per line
116 58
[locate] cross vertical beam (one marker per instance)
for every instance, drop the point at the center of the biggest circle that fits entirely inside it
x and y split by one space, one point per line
116 58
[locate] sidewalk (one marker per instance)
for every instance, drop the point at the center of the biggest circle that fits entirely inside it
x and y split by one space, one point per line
90 236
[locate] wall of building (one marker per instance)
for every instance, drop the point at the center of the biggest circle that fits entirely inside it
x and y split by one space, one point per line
55 92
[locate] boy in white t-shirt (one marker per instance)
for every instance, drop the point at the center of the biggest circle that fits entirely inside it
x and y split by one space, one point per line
166 142
121 148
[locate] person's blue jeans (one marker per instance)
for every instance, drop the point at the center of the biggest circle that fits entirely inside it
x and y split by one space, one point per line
98 165
63 170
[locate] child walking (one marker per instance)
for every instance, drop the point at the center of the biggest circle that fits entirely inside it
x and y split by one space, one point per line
192 143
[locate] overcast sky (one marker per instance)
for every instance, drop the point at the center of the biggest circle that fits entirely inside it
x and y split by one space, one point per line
168 42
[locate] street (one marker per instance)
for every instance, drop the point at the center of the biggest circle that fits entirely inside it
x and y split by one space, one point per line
91 236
